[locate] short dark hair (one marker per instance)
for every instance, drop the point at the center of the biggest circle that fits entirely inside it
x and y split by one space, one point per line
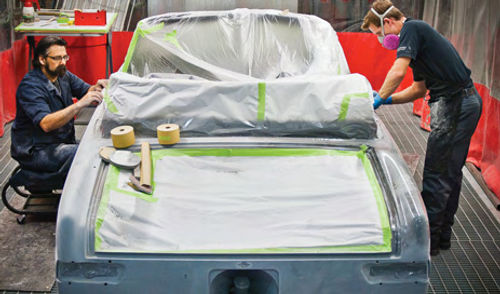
43 47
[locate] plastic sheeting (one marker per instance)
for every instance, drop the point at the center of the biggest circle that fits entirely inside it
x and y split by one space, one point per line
255 200
337 106
474 29
239 44
240 72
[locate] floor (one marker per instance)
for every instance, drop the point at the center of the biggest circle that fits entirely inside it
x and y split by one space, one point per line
470 266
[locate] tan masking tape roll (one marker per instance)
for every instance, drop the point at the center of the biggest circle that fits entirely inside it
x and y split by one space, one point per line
123 136
168 134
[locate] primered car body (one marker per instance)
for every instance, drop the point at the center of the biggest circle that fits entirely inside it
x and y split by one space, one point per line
284 180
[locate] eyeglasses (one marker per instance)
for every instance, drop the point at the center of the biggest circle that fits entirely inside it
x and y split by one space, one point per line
59 58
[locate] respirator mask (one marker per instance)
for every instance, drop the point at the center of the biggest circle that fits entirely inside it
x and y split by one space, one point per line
389 41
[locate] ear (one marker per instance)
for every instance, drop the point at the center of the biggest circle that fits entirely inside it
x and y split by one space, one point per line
41 60
390 21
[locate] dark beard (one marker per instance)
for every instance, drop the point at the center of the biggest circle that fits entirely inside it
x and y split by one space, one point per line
59 72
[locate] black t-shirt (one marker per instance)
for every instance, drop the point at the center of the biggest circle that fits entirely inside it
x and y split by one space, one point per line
433 59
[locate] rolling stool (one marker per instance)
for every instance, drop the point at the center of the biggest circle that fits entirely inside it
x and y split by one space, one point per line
38 190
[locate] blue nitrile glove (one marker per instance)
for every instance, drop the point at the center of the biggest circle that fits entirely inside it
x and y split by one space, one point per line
377 100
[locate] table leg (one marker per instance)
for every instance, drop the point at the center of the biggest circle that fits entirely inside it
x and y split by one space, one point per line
31 45
109 56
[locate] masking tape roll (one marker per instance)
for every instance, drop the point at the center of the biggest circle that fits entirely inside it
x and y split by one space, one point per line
168 134
123 136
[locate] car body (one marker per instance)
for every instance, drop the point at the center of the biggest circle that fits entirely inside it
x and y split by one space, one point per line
284 180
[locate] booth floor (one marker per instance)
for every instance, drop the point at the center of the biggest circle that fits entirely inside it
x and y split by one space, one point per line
470 266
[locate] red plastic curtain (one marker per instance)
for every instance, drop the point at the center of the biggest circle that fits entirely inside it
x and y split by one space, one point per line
11 61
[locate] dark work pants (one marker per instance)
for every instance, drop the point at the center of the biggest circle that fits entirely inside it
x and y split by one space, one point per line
453 121
50 161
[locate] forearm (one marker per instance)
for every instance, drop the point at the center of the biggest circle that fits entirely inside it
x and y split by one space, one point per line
391 83
408 95
394 77
59 118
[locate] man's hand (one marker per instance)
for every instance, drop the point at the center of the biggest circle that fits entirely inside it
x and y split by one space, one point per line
91 98
379 101
61 117
101 84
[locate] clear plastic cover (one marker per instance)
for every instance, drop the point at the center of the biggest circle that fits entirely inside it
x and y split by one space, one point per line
239 44
239 72
309 106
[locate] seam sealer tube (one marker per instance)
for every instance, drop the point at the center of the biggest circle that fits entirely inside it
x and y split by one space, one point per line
168 134
123 136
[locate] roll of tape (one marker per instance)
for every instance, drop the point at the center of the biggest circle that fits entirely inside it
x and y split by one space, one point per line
123 136
168 134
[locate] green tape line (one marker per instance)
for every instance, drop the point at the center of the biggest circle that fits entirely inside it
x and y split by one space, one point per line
103 205
142 196
325 249
131 48
139 31
150 30
146 197
261 108
172 38
344 106
379 198
158 154
109 104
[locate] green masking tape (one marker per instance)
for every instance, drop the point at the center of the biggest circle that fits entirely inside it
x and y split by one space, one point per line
344 106
261 108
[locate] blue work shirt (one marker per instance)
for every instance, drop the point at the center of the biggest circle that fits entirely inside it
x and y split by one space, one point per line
37 97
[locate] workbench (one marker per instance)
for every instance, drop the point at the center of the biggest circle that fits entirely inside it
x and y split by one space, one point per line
45 27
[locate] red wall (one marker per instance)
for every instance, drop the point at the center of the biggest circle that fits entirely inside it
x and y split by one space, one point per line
10 60
366 56
484 151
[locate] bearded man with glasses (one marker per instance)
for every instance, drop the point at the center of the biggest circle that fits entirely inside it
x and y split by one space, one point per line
43 133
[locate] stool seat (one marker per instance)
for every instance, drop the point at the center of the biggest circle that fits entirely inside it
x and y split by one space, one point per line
41 199
36 181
